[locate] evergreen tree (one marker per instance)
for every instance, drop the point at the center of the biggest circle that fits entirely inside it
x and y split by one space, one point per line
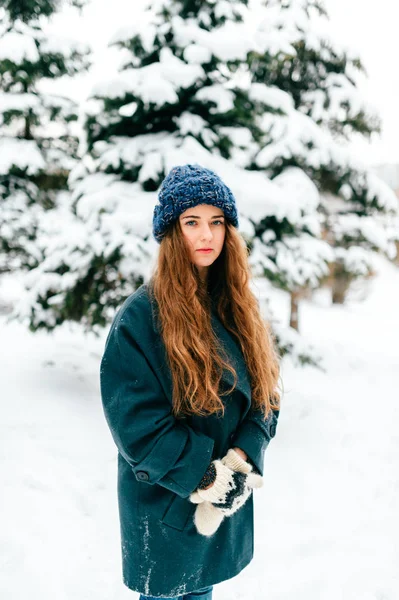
181 95
287 247
29 10
320 77
319 73
39 142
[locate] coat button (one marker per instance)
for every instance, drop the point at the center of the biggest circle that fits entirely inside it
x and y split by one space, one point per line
272 430
142 475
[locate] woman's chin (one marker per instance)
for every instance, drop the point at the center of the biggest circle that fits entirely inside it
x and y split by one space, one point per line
206 261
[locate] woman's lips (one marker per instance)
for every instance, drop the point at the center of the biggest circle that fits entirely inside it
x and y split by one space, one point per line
205 251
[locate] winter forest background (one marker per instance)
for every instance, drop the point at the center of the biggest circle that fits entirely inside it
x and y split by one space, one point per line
268 95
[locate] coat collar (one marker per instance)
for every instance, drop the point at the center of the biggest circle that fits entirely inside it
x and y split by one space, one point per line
229 344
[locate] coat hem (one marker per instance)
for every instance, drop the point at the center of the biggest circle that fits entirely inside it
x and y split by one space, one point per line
240 567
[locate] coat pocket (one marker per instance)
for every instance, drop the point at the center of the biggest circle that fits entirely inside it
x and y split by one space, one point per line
178 513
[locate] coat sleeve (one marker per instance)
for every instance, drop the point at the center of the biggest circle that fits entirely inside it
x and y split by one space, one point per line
253 435
159 449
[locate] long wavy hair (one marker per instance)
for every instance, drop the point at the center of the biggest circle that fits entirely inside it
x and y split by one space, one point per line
196 359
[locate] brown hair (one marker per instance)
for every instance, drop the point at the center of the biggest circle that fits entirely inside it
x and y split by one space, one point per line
184 310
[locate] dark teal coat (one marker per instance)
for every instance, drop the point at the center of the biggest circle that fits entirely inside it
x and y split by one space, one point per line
161 459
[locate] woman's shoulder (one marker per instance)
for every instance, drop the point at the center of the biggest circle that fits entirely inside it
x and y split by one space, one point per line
133 327
138 302
138 309
138 298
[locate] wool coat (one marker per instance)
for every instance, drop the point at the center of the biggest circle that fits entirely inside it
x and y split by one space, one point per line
161 458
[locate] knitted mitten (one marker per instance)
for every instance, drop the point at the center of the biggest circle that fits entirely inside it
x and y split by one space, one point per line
229 492
233 460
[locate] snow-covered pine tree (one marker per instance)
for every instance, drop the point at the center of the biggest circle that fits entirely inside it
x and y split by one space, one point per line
320 76
288 248
181 95
39 142
29 10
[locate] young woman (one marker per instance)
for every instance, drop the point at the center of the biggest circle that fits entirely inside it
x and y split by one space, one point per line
189 381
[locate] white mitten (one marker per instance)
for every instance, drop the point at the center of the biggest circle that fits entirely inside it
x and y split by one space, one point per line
229 492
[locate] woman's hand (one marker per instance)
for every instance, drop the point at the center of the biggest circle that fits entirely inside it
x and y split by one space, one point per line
234 481
241 452
208 486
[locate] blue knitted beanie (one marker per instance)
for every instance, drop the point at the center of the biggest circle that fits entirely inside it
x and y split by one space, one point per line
187 186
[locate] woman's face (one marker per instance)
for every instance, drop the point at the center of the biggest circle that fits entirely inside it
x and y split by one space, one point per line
203 227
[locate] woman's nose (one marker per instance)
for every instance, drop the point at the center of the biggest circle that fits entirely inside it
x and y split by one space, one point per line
206 233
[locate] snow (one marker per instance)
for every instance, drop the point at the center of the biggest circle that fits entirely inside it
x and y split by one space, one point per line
326 521
21 154
66 47
356 260
297 135
18 102
327 524
25 102
382 192
299 261
119 214
295 23
52 124
156 83
27 43
303 260
128 110
341 92
300 189
367 228
190 123
224 9
18 48
152 167
256 195
194 53
240 136
269 37
141 26
51 130
271 97
228 42
298 23
219 95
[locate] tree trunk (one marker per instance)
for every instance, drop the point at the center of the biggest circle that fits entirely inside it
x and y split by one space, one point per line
294 317
396 259
27 132
340 284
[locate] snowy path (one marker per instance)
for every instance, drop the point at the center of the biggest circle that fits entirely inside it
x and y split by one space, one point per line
327 523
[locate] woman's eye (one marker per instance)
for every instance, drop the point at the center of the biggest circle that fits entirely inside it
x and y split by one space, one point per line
213 222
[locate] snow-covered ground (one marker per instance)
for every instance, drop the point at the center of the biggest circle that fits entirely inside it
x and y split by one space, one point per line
327 524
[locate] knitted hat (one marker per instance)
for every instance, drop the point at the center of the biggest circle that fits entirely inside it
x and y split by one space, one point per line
187 186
